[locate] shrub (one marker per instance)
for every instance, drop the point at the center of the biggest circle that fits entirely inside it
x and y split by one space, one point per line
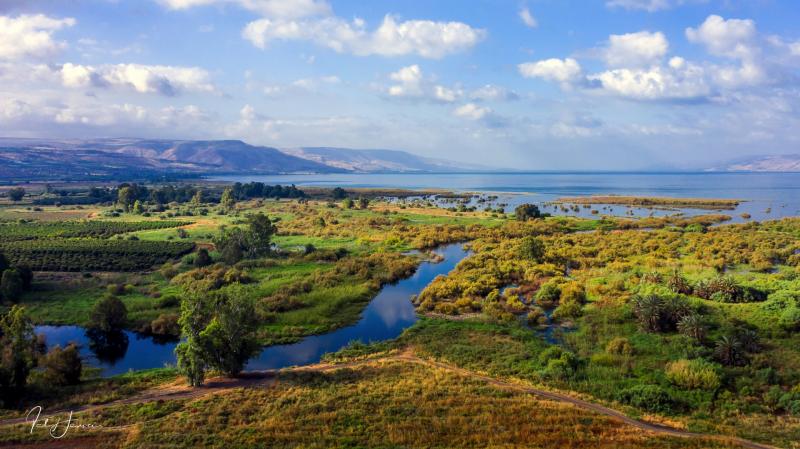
647 397
115 289
166 324
168 270
63 366
536 316
619 346
168 301
109 315
573 293
548 294
693 374
790 319
202 259
558 363
567 310
11 285
531 248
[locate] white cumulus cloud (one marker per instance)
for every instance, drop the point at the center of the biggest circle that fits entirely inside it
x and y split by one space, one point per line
565 71
678 80
732 38
410 83
30 36
472 111
425 38
164 80
635 49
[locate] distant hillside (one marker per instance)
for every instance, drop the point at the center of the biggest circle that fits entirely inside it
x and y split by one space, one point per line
377 160
120 158
778 163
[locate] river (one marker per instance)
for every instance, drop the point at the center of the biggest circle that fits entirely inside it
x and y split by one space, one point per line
384 318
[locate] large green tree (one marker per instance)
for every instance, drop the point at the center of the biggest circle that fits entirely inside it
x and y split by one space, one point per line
17 351
525 212
219 332
251 241
126 196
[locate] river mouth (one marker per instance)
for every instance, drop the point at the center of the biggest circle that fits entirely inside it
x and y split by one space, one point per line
386 316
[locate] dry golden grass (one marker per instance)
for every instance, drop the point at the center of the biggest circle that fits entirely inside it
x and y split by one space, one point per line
389 404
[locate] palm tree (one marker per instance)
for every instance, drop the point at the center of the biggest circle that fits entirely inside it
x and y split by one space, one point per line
648 310
729 351
674 309
678 284
692 326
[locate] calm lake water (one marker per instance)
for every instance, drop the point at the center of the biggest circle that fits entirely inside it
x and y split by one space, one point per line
386 316
766 195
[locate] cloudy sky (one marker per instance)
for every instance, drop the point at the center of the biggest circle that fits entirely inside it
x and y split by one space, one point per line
536 84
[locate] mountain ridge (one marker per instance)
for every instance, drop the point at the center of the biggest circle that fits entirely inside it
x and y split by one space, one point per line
131 157
762 163
377 160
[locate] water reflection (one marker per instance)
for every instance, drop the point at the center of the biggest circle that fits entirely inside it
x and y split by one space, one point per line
108 347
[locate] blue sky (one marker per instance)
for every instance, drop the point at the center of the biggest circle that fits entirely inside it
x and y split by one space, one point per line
537 84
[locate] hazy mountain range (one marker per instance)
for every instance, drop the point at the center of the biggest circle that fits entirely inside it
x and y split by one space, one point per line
117 158
133 158
776 163
378 160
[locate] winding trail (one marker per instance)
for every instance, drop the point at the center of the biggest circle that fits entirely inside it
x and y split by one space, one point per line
264 379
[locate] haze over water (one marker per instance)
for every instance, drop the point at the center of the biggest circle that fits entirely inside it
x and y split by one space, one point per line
777 192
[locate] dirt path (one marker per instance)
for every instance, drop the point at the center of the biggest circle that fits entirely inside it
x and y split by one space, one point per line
263 379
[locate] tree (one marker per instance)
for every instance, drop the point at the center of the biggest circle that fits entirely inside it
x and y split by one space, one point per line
363 203
259 235
125 197
255 240
231 253
219 332
17 350
532 248
109 315
347 203
190 352
525 212
230 338
16 194
11 285
729 351
678 284
202 259
338 193
137 207
63 366
227 201
197 199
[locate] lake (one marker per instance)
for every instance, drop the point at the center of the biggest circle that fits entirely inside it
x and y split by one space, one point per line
767 195
385 317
